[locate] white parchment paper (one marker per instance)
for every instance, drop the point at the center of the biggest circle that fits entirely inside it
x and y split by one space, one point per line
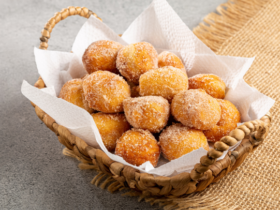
162 27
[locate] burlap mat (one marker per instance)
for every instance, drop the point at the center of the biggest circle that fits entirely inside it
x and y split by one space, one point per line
247 29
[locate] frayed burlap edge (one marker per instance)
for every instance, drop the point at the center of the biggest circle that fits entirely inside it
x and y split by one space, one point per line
216 28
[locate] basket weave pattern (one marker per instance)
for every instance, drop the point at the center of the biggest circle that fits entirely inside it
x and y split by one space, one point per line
204 173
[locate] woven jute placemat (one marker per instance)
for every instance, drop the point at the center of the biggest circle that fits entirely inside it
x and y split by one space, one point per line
251 28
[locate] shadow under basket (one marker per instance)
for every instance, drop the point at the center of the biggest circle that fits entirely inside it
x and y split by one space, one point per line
208 171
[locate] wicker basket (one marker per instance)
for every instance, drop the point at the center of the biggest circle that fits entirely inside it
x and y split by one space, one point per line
204 173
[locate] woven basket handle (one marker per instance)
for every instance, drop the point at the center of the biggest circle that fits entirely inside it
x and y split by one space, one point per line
64 13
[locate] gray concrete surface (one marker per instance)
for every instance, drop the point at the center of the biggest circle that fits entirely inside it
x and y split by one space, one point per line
33 172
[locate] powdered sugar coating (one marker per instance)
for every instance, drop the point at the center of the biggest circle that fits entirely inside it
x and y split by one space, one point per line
229 113
230 116
111 127
212 84
136 59
149 112
137 146
196 109
72 91
101 55
170 59
105 91
178 140
165 82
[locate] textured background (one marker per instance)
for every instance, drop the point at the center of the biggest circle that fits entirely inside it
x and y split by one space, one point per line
33 172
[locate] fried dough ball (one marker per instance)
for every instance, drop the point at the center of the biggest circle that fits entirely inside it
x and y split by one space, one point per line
165 82
101 55
72 91
148 112
105 91
170 59
136 59
212 84
137 146
229 118
196 109
111 127
178 140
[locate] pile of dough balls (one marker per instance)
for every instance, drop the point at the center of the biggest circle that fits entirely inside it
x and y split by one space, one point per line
144 104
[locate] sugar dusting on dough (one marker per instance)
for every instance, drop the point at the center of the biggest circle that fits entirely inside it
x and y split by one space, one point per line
136 59
229 113
111 127
165 82
101 55
72 91
105 91
177 140
230 116
149 112
170 59
72 86
211 83
196 109
137 146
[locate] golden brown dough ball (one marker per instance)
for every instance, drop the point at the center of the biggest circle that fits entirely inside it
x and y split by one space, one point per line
178 140
149 112
72 91
212 84
101 55
229 118
196 109
165 82
105 91
136 59
137 146
170 59
111 127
